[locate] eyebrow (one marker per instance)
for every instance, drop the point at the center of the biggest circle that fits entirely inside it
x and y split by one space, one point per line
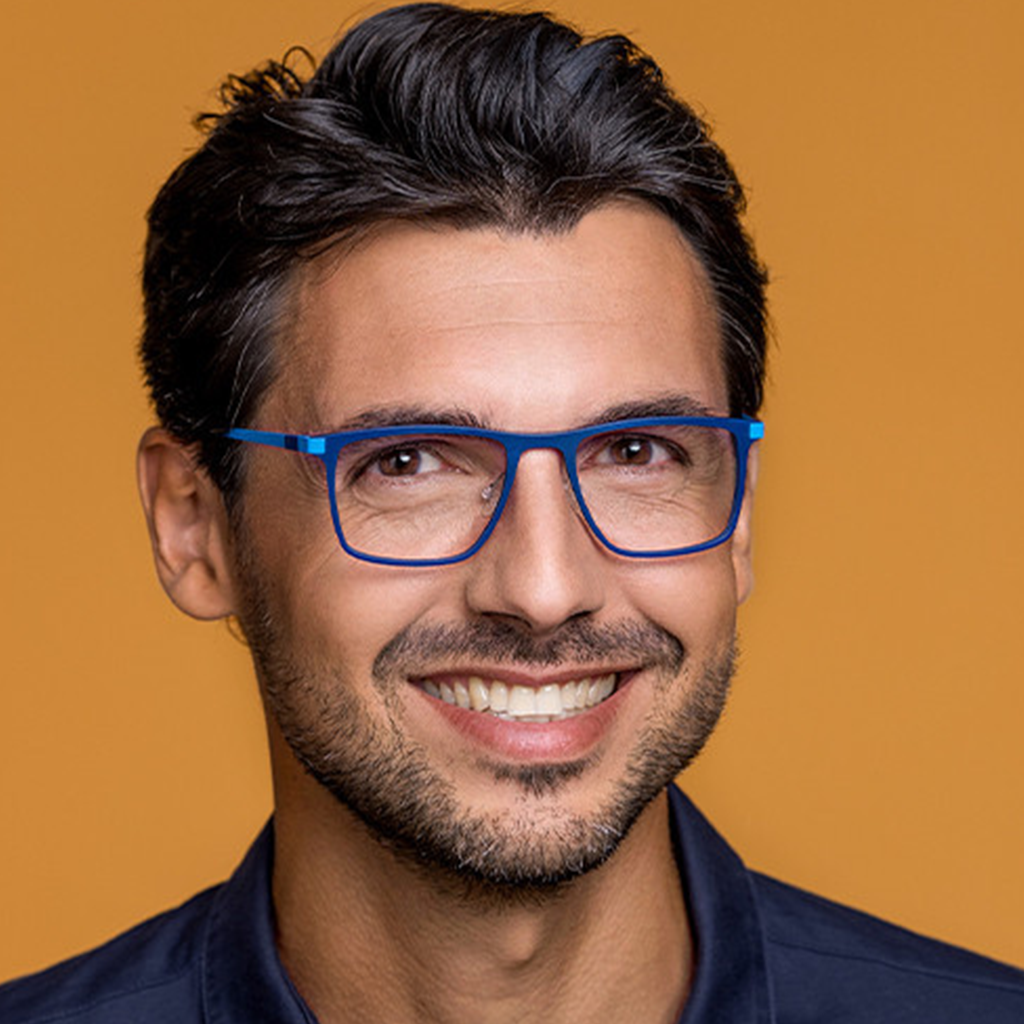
407 416
675 404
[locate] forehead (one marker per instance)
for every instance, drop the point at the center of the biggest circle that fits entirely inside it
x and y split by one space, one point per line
526 332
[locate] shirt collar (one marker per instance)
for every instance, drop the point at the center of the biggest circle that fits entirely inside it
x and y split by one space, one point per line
730 983
244 981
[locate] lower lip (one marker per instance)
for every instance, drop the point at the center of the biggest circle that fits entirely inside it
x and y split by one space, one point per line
565 740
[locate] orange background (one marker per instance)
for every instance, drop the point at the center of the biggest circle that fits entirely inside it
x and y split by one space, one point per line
873 749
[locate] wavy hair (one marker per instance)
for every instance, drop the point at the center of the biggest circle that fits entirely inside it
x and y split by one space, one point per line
424 112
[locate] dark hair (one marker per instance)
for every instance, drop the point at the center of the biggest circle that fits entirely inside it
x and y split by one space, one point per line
423 112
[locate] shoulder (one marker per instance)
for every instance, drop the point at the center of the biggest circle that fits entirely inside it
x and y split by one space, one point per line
148 975
830 962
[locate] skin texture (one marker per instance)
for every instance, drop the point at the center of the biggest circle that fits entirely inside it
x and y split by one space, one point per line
475 911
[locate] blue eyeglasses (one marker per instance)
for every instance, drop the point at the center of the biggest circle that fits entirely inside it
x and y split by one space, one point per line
429 495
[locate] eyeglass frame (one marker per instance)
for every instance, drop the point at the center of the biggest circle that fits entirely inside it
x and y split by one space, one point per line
745 431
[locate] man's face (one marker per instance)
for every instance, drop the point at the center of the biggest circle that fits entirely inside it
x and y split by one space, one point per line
522 333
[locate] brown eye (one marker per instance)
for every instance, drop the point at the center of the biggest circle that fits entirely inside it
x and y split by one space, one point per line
632 451
400 462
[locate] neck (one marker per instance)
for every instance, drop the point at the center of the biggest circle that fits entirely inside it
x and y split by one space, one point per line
365 935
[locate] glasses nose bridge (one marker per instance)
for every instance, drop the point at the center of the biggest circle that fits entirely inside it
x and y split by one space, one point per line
517 446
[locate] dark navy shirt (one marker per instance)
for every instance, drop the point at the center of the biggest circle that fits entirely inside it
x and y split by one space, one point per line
766 954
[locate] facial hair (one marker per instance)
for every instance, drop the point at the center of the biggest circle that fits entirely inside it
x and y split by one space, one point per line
372 767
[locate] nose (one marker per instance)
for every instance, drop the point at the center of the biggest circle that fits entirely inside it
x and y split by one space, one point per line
541 566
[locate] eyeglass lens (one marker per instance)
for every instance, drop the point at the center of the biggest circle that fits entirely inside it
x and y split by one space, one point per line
431 496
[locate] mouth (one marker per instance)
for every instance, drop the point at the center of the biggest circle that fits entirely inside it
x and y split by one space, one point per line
514 702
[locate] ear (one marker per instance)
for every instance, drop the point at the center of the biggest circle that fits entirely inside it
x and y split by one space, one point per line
742 538
187 526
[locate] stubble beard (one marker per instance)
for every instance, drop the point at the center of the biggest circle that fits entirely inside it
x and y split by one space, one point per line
369 764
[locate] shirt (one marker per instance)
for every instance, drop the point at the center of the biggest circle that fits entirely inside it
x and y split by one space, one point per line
766 953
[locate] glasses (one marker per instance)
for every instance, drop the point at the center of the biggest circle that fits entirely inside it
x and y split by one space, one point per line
428 495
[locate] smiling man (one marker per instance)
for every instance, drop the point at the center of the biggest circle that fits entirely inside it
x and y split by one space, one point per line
456 348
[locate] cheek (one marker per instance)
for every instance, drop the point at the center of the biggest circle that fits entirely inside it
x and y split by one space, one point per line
345 611
694 598
329 608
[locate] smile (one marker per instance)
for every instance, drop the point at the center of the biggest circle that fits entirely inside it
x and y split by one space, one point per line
553 702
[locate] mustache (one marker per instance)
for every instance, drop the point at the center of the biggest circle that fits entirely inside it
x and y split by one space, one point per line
499 642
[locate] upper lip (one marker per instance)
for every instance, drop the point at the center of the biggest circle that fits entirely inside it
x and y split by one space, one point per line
523 677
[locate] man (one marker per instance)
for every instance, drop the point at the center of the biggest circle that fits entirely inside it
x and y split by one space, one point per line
455 349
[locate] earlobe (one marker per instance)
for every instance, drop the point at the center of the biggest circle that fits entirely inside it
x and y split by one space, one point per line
742 539
187 526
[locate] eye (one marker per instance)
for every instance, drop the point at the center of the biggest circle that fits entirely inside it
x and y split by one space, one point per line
408 461
634 450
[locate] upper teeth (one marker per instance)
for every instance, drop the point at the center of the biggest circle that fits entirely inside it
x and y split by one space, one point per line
523 703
